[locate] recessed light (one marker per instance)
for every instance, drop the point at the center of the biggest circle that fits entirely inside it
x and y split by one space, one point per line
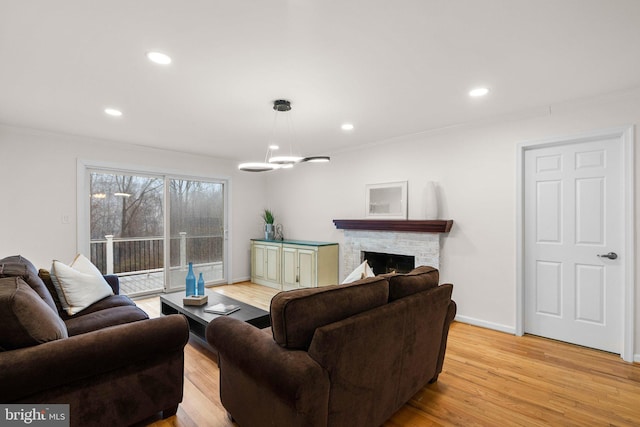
347 126
159 58
479 91
274 147
113 112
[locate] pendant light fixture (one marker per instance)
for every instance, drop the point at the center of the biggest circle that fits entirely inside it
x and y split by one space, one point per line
317 159
272 161
284 106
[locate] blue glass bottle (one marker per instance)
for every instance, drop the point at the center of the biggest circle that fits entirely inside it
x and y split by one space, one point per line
191 281
200 285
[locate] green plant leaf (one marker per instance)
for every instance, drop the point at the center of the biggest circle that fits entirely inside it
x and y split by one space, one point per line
267 216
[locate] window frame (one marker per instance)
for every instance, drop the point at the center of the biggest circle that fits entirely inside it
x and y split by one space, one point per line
86 167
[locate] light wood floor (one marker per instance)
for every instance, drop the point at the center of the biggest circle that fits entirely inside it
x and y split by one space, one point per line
489 379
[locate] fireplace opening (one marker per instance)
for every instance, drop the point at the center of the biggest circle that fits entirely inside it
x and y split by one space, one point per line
382 263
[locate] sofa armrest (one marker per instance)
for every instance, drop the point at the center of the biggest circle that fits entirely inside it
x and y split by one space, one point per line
451 314
30 370
114 282
282 387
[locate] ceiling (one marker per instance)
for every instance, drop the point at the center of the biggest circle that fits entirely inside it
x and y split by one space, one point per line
391 68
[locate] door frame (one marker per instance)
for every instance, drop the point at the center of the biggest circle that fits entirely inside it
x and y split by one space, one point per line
625 135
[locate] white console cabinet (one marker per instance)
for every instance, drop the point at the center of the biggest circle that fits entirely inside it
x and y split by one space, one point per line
292 264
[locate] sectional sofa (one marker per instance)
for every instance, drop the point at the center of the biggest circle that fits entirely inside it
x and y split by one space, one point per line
110 363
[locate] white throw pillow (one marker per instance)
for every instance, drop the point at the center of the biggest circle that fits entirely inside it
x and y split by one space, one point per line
79 285
361 272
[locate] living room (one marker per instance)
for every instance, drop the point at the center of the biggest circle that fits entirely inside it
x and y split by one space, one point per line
563 84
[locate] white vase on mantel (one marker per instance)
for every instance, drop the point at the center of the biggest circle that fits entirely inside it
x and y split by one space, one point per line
430 201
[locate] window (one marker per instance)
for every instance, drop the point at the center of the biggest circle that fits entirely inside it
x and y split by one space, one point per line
147 228
196 221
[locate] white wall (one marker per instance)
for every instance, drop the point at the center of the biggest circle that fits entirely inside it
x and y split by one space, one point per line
475 167
38 187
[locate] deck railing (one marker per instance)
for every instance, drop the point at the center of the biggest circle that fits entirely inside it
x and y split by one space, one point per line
126 255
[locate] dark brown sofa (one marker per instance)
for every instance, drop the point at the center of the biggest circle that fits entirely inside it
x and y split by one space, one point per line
342 355
112 364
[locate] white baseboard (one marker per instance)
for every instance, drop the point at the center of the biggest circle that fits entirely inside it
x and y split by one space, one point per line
240 279
485 324
636 358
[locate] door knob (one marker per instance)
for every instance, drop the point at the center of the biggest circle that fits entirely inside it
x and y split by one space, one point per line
610 255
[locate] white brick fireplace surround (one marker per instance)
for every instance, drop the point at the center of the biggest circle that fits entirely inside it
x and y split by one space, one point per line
392 237
425 247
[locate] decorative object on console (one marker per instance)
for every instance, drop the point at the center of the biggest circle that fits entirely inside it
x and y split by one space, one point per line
386 201
271 161
268 218
279 233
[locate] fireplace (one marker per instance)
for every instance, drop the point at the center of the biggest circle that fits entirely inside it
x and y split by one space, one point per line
419 239
382 263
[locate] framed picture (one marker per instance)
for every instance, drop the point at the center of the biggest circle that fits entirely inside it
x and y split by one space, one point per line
387 201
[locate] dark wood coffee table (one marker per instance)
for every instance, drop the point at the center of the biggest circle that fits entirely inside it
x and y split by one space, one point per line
199 319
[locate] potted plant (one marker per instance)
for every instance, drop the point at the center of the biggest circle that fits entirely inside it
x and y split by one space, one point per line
268 218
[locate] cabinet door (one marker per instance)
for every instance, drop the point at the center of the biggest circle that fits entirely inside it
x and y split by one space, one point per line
272 264
306 268
258 262
289 268
265 265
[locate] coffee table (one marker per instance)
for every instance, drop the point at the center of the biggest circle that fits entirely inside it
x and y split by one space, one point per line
199 319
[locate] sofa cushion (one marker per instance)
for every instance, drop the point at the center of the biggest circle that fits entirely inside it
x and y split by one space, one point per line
417 280
79 285
90 322
16 265
106 303
296 314
45 276
25 318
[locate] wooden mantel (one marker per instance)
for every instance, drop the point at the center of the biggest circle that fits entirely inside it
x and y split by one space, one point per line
419 226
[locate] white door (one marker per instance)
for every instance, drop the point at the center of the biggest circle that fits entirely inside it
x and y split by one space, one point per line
573 215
